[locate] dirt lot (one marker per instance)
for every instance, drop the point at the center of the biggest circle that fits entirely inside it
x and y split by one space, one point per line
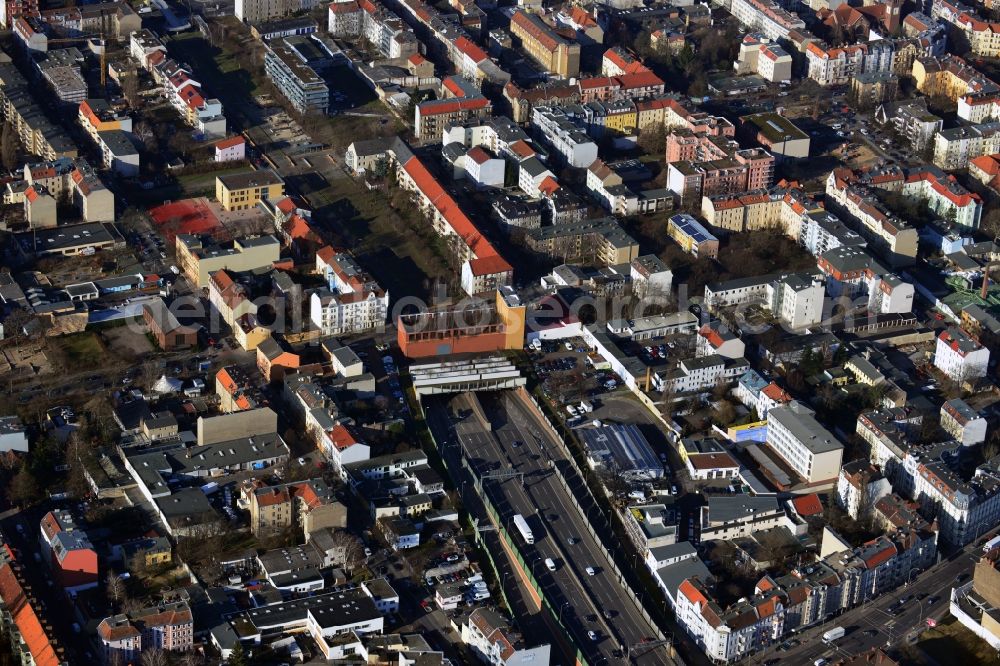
25 360
125 340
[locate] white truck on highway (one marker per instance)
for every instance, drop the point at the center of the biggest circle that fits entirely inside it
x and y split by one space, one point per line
991 544
833 634
522 526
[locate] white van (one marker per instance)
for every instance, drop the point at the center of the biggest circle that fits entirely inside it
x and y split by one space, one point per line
550 564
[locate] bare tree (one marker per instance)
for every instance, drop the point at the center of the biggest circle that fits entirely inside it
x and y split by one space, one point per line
154 657
192 659
115 587
130 88
353 551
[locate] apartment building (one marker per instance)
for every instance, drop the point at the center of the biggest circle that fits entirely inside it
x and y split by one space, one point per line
97 115
859 486
244 190
68 552
725 518
66 179
960 357
183 92
950 76
809 449
796 299
651 525
886 233
494 642
32 638
545 46
837 66
963 423
353 301
699 374
964 510
600 242
851 271
701 164
911 120
344 19
305 505
38 135
957 146
433 116
807 596
759 394
767 17
118 153
390 35
259 11
565 135
760 55
982 36
483 269
289 64
60 69
168 627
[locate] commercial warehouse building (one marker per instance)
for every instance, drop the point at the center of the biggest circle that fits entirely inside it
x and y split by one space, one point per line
621 449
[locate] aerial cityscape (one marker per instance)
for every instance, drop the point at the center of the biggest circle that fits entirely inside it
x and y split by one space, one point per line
514 333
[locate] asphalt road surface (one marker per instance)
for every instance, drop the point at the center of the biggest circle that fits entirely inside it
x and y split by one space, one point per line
882 622
517 443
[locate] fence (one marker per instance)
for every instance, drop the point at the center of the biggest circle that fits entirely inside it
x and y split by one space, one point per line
511 546
630 592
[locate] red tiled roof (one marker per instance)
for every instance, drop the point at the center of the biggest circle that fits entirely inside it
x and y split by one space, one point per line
548 186
478 155
230 142
470 49
808 505
443 106
31 628
521 149
342 437
645 79
449 210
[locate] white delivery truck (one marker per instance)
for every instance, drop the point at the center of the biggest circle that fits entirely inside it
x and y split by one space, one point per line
833 634
522 526
991 544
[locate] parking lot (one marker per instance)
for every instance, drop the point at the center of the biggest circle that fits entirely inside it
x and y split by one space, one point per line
568 373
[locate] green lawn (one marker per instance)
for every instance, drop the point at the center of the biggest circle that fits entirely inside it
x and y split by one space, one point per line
382 240
221 74
197 184
81 348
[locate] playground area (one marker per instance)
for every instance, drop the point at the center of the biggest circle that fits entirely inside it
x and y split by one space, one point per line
188 216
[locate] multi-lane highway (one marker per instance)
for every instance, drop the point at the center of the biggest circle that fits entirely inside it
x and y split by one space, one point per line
517 451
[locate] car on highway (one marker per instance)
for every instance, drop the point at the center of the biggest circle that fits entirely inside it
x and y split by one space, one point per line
591 571
592 635
870 632
933 600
